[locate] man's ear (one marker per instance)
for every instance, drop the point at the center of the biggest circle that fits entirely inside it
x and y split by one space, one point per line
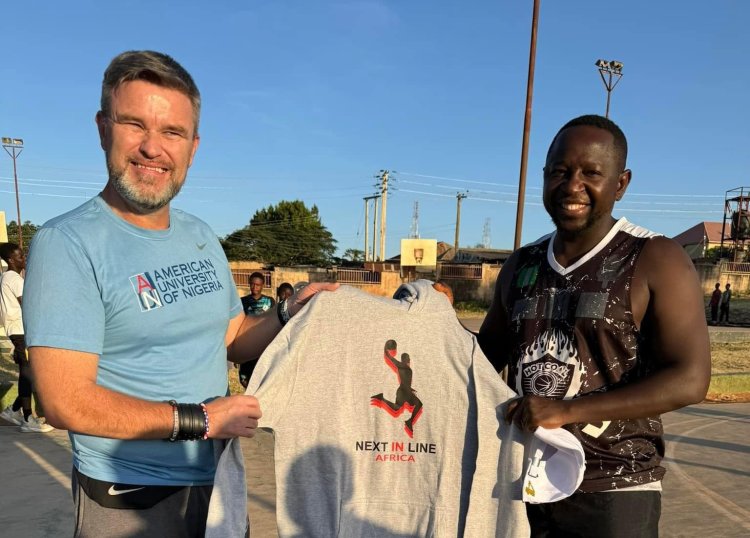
622 183
101 125
196 141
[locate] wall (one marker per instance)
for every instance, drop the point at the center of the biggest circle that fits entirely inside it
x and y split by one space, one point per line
293 275
463 289
480 291
709 274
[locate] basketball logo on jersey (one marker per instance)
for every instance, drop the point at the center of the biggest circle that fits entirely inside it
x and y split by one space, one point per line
550 367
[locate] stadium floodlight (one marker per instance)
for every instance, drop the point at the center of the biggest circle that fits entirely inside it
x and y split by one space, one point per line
611 73
14 147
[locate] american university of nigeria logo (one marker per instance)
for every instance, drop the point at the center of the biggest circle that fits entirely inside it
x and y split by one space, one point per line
144 288
550 367
178 282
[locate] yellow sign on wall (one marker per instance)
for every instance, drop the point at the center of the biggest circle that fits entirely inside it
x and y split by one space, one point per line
3 228
418 252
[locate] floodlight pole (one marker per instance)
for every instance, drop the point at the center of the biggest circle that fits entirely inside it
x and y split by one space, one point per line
611 73
526 128
14 147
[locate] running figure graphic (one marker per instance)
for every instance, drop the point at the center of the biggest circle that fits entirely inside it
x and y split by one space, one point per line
406 396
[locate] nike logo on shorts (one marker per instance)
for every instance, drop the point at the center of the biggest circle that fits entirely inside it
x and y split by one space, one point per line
113 491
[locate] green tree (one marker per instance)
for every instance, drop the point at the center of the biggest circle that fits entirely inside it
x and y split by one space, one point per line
714 253
28 230
285 234
354 254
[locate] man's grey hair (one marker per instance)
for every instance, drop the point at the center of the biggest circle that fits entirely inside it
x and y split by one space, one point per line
150 66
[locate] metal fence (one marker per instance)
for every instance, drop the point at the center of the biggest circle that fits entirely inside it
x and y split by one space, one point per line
455 271
242 277
354 276
735 267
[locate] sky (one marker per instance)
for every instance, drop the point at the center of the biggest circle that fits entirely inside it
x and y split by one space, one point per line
310 100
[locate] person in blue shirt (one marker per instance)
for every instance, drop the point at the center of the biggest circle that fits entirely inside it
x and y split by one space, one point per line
131 313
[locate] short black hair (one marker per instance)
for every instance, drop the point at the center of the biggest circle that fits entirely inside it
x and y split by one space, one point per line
600 122
284 286
7 250
259 275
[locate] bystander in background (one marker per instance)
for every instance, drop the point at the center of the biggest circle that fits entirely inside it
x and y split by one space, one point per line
11 298
726 297
714 304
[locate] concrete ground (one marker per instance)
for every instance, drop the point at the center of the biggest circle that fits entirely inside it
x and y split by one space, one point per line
708 465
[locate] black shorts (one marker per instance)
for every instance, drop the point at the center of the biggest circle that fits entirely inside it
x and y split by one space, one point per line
19 351
116 509
611 514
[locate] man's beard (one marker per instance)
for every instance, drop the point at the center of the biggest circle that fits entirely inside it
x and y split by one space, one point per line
141 202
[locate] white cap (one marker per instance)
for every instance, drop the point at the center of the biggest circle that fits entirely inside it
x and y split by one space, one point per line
554 467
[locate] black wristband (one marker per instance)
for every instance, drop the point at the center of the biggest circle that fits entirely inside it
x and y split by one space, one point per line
191 421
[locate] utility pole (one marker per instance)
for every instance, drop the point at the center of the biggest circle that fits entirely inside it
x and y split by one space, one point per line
459 196
367 226
486 241
374 227
14 147
415 222
367 223
526 127
611 73
384 196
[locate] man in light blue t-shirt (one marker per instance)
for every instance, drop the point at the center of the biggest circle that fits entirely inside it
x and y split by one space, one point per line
128 348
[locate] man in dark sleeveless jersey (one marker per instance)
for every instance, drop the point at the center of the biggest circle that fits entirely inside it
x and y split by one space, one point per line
602 326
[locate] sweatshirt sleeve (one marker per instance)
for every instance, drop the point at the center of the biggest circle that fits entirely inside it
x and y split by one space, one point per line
273 383
495 506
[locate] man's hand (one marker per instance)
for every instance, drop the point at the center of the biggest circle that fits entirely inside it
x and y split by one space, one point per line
529 412
301 297
233 416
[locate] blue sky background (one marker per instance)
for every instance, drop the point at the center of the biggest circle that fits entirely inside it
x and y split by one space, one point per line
309 100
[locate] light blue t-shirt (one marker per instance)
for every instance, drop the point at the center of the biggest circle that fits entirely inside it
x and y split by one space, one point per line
155 306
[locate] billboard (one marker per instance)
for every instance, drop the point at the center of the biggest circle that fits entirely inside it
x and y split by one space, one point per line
419 253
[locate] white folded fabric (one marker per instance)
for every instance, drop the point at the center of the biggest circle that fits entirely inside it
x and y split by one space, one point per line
554 466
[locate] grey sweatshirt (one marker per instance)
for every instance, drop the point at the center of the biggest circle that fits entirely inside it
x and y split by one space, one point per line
387 420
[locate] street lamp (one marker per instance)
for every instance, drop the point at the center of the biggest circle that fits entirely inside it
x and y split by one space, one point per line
611 72
14 147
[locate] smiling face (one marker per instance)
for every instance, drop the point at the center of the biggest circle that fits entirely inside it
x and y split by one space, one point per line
583 177
149 140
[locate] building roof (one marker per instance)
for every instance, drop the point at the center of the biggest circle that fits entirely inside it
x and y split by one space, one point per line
709 232
446 253
472 255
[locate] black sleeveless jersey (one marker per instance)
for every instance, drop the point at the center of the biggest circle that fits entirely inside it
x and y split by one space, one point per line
571 334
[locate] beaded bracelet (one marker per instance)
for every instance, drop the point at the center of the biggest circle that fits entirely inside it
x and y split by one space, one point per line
206 426
175 421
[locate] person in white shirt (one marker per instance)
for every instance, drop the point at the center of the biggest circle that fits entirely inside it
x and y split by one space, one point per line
11 293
